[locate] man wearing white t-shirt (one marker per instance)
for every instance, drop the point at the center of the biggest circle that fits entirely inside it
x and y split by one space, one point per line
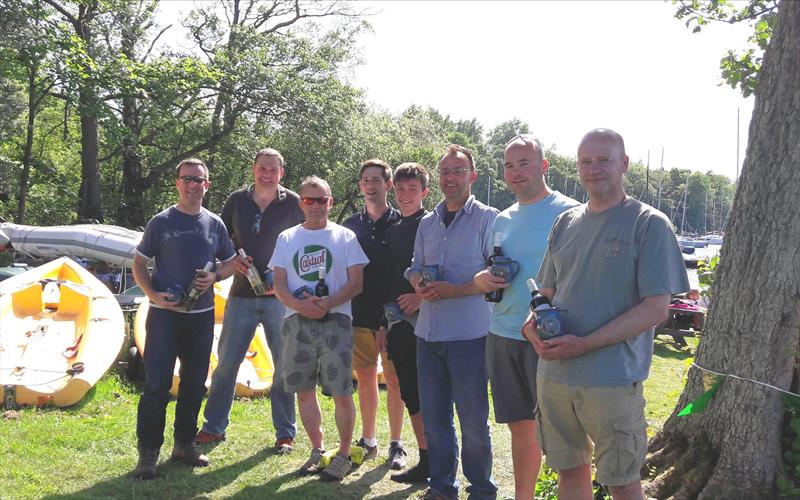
317 331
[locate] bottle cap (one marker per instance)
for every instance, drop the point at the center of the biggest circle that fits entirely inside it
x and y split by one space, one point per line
242 252
532 286
498 239
321 272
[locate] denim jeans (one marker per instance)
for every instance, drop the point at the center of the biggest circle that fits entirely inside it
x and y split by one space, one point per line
242 316
170 336
454 372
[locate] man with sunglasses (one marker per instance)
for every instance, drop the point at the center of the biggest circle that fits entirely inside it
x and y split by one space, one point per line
370 225
318 331
510 358
254 216
613 264
180 240
452 326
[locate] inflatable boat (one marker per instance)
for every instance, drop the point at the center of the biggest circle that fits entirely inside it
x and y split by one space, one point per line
255 372
112 244
61 331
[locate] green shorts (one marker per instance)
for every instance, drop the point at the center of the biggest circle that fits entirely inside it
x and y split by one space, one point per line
315 349
572 418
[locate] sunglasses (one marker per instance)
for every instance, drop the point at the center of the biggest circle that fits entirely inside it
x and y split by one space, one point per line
256 225
192 178
321 200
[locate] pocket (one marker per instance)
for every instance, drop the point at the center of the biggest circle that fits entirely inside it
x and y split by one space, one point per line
630 436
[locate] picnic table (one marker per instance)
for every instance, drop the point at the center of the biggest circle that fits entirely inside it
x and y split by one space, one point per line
685 320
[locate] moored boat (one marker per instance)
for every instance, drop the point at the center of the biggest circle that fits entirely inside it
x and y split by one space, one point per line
61 331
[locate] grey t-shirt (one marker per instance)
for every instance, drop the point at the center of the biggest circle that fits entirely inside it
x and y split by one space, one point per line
181 243
601 265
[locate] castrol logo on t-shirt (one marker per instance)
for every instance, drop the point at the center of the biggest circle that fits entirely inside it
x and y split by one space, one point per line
309 259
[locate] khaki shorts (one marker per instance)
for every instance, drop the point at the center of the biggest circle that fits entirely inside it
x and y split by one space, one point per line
572 418
365 350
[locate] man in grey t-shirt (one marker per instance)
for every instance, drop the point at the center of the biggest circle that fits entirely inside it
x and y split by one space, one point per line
612 264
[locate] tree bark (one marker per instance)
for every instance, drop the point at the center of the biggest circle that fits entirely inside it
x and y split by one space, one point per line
27 152
733 449
89 207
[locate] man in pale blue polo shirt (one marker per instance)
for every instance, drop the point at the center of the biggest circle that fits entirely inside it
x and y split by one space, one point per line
452 327
511 360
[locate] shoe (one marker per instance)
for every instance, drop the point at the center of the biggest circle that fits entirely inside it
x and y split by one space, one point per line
336 470
417 474
189 454
284 446
432 494
146 467
204 437
397 456
312 464
370 452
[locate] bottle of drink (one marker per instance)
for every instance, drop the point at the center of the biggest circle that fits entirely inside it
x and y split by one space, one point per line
321 289
256 283
497 295
194 293
550 321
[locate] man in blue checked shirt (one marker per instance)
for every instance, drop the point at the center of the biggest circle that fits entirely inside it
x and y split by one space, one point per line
454 241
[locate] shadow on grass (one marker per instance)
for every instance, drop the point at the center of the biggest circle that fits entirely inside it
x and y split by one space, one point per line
174 481
664 348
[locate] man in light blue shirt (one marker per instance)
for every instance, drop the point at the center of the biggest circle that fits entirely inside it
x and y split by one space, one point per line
511 360
451 328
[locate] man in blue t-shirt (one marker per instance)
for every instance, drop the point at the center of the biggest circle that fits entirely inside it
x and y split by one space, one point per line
510 359
180 240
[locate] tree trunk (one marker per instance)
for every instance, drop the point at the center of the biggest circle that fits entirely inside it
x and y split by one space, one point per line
27 153
89 208
733 449
130 213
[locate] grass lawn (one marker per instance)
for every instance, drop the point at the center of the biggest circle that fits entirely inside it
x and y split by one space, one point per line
88 451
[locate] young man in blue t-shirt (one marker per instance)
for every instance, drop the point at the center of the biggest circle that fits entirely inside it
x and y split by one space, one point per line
180 240
510 358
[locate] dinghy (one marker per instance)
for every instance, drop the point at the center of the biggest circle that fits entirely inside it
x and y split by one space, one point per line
255 372
61 331
113 244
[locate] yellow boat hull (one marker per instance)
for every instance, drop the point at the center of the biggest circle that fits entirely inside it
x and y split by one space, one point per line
257 369
61 331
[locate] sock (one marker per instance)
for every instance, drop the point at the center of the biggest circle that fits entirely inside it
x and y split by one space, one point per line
370 441
397 442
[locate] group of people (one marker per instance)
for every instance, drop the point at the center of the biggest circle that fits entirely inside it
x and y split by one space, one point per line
407 287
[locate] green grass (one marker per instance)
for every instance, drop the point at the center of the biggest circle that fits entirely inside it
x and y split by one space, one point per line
88 451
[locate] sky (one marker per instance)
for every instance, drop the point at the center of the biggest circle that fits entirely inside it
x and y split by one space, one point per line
564 68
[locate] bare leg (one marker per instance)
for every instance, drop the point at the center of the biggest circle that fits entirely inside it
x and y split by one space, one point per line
311 416
527 458
419 430
345 421
631 491
368 399
394 405
575 483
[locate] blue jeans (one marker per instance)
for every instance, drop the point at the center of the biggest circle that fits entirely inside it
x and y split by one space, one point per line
242 316
455 372
170 336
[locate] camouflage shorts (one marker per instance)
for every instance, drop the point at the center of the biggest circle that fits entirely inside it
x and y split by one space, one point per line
315 349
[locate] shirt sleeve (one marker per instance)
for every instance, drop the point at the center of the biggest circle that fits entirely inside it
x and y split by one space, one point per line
418 258
227 215
277 254
225 251
660 268
546 277
151 239
355 254
488 232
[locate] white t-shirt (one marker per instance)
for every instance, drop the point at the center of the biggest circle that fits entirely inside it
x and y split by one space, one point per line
301 252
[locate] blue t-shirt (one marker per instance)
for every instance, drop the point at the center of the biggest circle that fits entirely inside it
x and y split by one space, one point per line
181 243
524 229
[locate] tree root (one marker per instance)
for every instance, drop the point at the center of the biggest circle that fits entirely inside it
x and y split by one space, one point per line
692 467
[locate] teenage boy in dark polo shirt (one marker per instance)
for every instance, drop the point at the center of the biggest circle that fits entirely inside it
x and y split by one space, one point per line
410 188
254 216
375 182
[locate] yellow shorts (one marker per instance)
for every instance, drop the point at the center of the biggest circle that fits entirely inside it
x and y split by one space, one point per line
572 418
365 350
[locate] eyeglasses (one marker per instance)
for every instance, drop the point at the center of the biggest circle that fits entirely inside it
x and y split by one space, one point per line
321 200
453 171
187 179
256 225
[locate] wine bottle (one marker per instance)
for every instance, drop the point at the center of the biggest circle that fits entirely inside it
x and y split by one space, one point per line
256 283
497 295
194 293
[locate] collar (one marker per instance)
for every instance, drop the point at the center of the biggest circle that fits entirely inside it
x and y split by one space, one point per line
387 215
281 192
441 208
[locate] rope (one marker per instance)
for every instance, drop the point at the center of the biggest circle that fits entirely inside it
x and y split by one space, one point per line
746 380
